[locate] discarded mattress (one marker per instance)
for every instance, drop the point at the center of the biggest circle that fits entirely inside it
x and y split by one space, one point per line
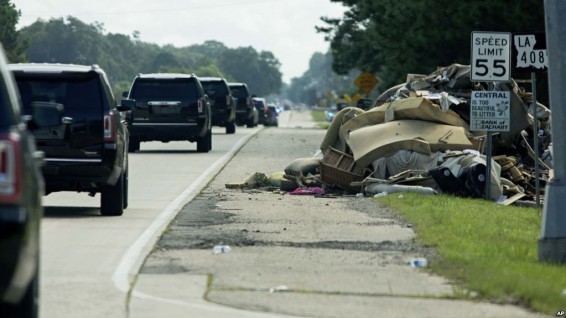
418 108
373 142
331 139
404 160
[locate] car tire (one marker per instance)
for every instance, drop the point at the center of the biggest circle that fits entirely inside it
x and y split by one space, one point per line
112 199
126 182
251 124
230 128
29 305
134 144
204 144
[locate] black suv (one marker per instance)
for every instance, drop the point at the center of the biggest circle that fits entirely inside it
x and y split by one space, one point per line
169 107
21 189
246 113
87 151
262 110
222 103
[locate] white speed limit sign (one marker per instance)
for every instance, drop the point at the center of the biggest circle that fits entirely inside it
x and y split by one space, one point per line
491 57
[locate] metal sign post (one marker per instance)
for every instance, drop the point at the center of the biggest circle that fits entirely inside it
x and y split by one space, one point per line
491 62
552 243
490 111
530 55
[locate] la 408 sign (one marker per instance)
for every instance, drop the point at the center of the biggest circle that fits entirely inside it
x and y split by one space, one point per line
491 57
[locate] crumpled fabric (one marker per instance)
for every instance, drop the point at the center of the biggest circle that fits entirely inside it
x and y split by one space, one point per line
308 191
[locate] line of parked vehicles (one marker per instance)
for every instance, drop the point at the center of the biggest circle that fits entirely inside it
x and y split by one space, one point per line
61 129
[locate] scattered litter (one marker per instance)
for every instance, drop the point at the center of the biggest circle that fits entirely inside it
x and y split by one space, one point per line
308 191
359 195
400 196
279 288
380 195
419 262
221 249
564 292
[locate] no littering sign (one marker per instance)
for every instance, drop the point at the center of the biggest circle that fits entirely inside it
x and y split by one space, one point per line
490 111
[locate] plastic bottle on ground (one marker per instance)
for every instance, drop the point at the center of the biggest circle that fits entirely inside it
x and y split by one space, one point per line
221 249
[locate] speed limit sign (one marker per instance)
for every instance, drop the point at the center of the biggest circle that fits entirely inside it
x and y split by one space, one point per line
491 57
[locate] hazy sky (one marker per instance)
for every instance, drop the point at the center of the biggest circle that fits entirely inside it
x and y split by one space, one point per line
284 27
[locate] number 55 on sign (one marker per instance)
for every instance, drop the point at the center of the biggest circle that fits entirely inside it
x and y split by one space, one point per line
491 57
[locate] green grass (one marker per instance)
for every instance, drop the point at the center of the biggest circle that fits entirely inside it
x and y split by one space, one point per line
320 119
487 248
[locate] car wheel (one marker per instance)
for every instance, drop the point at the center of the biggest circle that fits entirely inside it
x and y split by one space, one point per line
29 305
134 145
230 128
210 140
204 144
112 199
126 179
251 124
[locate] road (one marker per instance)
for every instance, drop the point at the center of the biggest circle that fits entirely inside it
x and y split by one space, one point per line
88 261
292 256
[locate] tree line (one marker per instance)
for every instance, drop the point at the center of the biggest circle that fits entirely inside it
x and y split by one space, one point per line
69 40
392 38
389 38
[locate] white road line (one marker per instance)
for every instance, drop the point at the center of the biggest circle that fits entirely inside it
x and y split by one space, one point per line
133 259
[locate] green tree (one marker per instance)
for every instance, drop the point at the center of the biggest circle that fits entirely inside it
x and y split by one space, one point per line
319 81
13 43
259 70
123 56
394 37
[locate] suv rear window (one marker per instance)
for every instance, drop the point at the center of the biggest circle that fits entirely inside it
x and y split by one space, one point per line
239 92
164 89
215 88
74 92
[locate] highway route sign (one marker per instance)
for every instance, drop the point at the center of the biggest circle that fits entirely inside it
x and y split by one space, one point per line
529 52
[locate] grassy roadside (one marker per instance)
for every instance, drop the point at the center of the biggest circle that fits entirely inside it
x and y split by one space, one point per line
320 119
487 248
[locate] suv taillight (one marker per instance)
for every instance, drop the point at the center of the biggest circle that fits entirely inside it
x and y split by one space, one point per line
249 101
228 100
109 128
200 106
10 169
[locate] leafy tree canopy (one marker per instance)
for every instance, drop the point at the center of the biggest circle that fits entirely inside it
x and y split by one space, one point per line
9 37
392 38
69 40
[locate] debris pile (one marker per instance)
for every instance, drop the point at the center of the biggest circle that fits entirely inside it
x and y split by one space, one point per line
417 137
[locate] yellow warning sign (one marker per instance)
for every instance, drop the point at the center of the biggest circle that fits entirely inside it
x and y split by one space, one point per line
366 82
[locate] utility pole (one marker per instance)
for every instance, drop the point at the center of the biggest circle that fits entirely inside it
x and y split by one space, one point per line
552 243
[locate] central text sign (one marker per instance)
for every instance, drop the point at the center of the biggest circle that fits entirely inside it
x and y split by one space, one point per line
490 111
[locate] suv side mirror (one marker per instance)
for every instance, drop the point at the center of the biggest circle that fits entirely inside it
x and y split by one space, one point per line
126 105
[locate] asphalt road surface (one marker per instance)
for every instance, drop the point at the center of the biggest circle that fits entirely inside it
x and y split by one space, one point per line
291 256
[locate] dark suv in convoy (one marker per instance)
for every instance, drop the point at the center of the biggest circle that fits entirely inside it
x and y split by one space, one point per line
87 151
21 189
246 113
169 107
222 103
261 105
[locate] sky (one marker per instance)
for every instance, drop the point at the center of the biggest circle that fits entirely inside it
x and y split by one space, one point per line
284 27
